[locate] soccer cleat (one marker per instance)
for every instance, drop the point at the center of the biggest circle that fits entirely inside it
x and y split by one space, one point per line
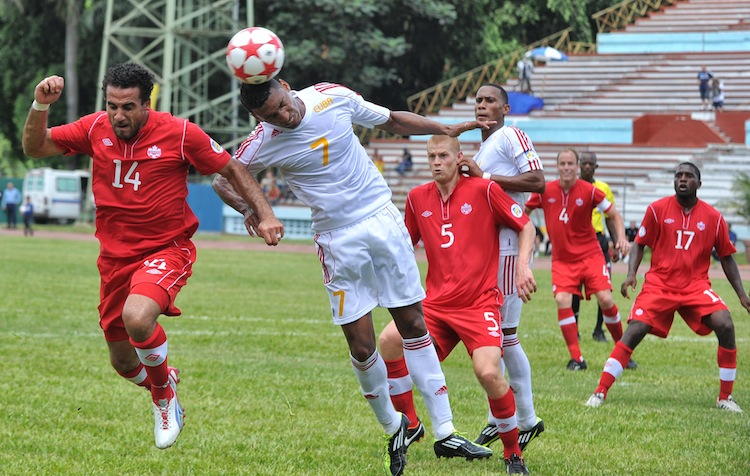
575 365
457 446
728 404
599 336
414 434
525 436
395 452
168 418
631 365
595 400
515 465
174 376
488 435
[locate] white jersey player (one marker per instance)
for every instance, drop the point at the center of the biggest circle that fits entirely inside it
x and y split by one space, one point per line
507 156
362 242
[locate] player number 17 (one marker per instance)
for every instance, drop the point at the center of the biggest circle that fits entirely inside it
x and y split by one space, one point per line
686 237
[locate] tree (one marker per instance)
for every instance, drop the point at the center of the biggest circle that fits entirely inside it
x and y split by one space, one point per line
35 53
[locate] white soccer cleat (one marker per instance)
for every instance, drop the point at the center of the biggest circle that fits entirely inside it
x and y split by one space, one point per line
729 404
168 418
595 400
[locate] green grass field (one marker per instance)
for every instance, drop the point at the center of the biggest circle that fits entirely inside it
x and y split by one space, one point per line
268 388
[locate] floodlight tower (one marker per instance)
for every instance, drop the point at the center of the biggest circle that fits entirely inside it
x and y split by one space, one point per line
183 43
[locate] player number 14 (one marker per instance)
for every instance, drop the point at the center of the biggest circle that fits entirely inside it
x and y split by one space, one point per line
131 177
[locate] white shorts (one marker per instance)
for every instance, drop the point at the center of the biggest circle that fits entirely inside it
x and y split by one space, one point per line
506 281
368 264
508 241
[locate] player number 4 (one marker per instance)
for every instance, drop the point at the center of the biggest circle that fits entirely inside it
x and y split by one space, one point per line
564 215
132 177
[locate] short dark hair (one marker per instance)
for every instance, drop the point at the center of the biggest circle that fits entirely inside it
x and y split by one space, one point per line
503 92
253 96
587 154
129 75
693 166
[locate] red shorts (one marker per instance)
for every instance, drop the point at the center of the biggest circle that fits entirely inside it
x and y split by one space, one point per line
656 308
477 326
168 269
591 273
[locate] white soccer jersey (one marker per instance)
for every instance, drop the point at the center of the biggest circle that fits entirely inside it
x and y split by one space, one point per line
508 152
322 159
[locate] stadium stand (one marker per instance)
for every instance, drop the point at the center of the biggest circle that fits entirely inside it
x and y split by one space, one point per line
657 91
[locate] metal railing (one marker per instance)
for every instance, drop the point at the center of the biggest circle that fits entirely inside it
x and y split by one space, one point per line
626 12
448 92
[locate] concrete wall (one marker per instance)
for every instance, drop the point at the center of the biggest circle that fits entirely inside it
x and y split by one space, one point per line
678 42
559 130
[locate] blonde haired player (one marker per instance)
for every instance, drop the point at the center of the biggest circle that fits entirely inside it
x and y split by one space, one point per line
457 219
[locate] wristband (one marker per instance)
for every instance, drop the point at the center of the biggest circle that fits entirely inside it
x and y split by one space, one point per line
39 107
487 176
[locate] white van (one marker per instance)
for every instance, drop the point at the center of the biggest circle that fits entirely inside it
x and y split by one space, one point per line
57 195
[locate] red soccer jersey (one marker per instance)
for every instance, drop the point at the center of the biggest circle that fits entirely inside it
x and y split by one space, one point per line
460 238
140 186
567 216
682 243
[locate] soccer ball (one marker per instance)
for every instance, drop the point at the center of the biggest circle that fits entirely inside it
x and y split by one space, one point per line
255 55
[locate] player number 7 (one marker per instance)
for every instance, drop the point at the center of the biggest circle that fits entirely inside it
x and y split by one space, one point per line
324 143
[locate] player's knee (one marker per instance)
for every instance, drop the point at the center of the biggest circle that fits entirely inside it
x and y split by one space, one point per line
390 342
722 324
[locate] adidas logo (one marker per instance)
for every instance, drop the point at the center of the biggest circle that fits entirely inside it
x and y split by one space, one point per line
442 390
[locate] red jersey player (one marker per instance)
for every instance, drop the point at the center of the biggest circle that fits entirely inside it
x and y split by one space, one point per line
681 231
577 260
458 218
143 222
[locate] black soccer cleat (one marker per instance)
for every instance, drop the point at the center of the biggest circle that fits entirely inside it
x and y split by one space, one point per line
515 465
395 454
414 434
575 365
488 435
525 436
456 446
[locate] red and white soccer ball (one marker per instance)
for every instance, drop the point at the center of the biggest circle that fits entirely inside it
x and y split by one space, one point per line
255 55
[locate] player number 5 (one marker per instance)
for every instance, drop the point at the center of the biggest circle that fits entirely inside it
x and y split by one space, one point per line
444 231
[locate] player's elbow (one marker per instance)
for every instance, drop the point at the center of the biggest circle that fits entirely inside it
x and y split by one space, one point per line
219 183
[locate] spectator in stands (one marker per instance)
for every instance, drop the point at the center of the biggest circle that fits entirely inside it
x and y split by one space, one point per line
406 163
525 69
270 187
631 231
717 94
704 80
